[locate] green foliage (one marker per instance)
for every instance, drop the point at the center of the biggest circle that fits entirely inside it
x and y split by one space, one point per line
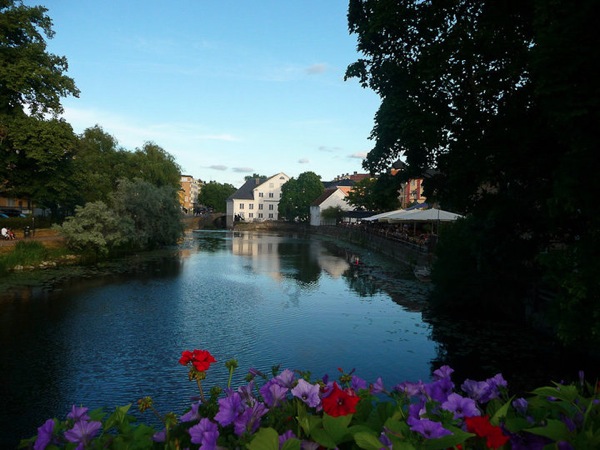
376 194
333 213
502 100
96 229
298 194
26 253
153 164
214 195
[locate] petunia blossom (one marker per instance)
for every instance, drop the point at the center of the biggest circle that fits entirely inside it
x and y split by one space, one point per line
229 408
249 420
205 433
285 378
427 428
44 435
273 393
78 413
308 393
461 406
193 414
83 432
339 402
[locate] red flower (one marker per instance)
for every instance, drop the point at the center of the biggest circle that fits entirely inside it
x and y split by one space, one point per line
200 359
482 427
340 403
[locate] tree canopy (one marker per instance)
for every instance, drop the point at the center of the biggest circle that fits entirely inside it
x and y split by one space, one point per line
298 194
500 100
214 195
376 194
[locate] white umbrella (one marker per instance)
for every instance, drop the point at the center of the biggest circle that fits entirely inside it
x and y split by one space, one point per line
382 215
424 215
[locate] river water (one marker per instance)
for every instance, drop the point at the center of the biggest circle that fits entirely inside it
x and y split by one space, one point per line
111 335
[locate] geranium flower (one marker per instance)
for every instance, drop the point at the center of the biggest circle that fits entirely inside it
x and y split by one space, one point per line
82 432
308 393
44 435
200 359
461 406
205 433
340 403
427 428
482 427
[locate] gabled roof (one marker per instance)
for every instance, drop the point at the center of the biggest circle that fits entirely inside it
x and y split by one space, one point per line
329 192
246 192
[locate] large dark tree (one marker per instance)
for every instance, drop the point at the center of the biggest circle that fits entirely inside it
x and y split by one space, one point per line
35 146
501 99
214 195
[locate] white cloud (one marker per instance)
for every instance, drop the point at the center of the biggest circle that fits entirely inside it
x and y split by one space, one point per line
242 169
358 155
218 167
316 69
303 161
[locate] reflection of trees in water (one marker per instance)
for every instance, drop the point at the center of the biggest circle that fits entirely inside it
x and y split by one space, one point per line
211 244
299 257
360 281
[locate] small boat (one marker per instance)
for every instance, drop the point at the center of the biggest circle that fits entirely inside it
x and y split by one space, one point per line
423 273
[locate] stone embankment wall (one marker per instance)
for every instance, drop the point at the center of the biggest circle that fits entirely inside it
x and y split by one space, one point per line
401 251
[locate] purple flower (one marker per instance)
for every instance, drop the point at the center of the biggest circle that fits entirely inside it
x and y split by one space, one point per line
229 408
78 413
484 391
285 378
205 433
246 392
520 405
461 406
416 410
289 434
410 389
358 383
385 440
443 372
160 436
377 387
83 432
273 393
249 420
192 415
427 428
440 389
44 435
308 393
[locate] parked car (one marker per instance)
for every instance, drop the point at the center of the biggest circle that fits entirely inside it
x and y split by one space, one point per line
10 212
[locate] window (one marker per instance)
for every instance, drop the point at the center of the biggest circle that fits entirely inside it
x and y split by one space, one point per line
241 206
270 207
270 195
270 216
251 206
260 215
251 215
261 194
260 206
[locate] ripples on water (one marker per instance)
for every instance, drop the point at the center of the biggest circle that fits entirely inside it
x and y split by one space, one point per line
264 300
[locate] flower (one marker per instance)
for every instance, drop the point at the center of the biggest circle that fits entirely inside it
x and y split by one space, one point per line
460 406
427 428
273 393
205 433
285 378
78 413
249 420
482 427
82 432
340 403
289 434
200 359
377 387
193 414
308 393
44 435
440 389
229 408
484 391
442 372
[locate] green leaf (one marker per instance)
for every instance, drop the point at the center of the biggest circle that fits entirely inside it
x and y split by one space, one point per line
566 393
291 444
502 411
368 441
555 429
117 418
265 439
323 438
458 436
337 427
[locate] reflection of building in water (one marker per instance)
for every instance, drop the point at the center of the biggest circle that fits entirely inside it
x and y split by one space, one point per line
262 250
277 255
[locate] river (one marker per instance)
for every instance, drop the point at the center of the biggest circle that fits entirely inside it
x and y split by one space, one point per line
109 335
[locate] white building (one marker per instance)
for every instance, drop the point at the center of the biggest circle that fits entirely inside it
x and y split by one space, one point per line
257 200
331 198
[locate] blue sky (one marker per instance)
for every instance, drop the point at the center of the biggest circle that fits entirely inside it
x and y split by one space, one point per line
229 88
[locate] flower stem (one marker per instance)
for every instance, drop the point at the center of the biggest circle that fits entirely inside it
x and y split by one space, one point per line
201 391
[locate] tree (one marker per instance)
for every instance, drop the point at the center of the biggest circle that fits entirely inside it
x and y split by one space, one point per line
376 194
35 146
298 194
214 195
255 175
153 164
501 99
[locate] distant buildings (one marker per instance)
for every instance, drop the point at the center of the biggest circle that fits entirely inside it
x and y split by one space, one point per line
257 200
188 195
